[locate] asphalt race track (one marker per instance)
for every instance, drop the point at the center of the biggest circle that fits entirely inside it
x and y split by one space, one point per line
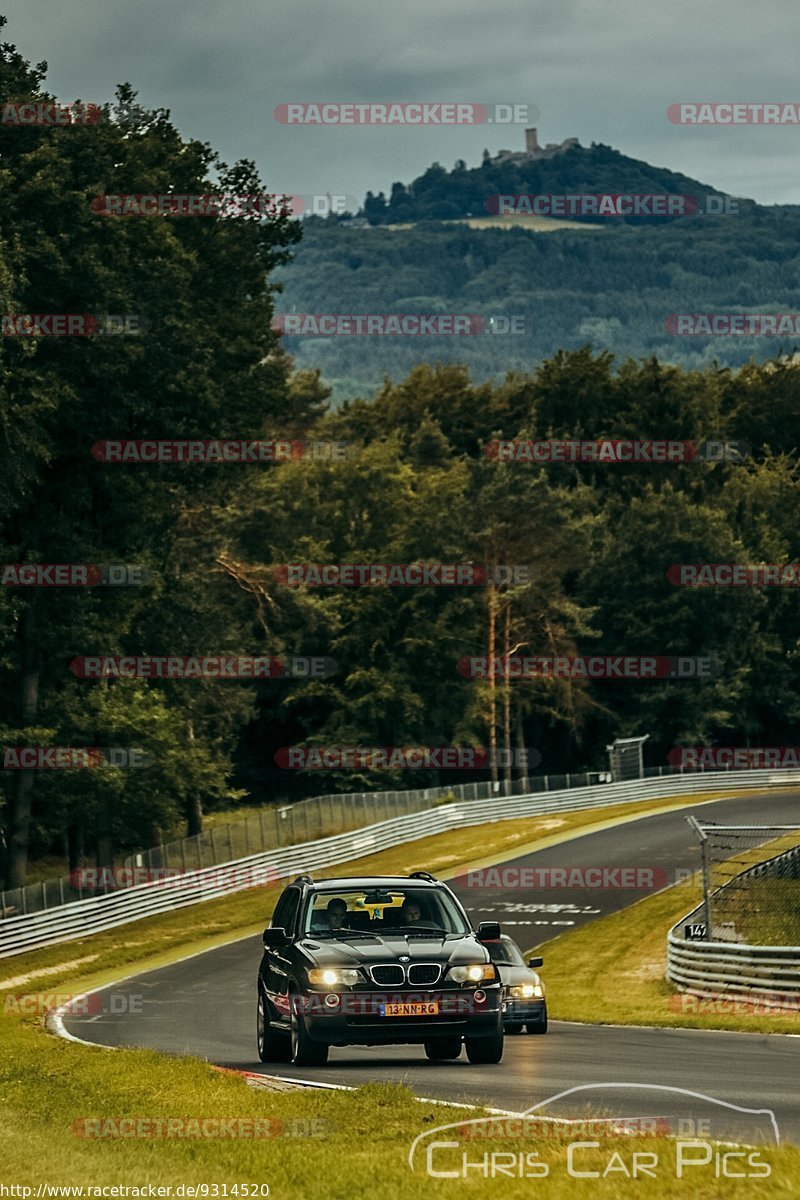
205 1006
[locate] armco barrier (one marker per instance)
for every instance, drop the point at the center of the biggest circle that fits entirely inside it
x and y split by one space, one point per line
734 970
98 913
283 824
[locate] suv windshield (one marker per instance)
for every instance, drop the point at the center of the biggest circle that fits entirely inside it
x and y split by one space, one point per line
382 911
506 952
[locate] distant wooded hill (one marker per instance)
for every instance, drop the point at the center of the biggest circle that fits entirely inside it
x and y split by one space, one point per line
441 195
612 288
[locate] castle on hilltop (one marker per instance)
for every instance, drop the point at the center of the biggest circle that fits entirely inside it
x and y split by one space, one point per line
533 150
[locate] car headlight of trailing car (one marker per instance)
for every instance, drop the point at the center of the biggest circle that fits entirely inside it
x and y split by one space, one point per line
331 977
473 973
526 991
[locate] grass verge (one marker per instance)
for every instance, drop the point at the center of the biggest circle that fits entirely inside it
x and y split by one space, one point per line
363 1136
613 971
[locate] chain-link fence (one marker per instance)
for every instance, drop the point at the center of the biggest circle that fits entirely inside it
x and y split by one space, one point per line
277 825
751 883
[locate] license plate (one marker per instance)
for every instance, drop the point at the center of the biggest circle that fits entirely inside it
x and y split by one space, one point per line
428 1008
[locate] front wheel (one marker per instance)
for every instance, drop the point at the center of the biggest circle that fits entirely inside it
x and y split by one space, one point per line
305 1052
485 1049
273 1046
443 1048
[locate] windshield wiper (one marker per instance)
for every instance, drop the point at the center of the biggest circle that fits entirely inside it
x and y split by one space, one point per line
436 930
340 933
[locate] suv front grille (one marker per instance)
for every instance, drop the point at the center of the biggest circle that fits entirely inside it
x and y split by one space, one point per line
424 974
388 975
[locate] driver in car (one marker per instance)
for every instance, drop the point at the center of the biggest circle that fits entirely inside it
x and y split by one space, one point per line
412 915
336 912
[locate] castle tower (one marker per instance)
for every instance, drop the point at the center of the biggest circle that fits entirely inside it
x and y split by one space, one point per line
531 142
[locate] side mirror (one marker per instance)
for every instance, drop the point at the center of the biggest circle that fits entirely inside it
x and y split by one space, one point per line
274 939
535 962
489 931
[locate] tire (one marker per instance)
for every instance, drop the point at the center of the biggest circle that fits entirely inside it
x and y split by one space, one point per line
538 1026
273 1046
443 1048
485 1049
517 1027
304 1051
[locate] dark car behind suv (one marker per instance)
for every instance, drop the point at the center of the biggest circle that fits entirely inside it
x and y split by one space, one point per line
369 961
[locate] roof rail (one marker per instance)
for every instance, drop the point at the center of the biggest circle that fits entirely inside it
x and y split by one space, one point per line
423 875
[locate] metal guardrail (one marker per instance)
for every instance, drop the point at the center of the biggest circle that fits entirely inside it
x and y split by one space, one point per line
730 969
275 825
85 917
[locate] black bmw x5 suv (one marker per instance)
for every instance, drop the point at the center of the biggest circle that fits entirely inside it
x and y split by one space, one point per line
371 961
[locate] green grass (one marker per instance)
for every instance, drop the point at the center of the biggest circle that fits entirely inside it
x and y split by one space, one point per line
613 971
766 912
47 1085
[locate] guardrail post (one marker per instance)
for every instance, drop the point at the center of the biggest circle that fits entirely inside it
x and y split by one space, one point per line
213 846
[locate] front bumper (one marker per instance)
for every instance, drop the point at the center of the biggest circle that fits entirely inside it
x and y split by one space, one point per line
519 1012
357 1018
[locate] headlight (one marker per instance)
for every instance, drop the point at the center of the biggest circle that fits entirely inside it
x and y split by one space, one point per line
476 973
330 977
525 991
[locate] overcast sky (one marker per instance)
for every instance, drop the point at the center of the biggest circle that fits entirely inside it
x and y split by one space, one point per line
598 70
